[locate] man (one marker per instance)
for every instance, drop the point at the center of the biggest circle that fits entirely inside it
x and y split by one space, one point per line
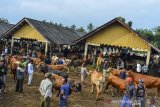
105 67
60 61
145 69
122 74
64 93
54 59
46 90
99 61
140 93
30 72
128 98
3 72
139 67
83 74
20 77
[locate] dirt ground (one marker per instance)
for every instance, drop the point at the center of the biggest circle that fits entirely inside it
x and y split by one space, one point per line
31 95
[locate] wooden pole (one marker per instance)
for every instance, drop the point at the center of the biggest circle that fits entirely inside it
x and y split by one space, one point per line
148 57
12 43
94 56
46 48
85 51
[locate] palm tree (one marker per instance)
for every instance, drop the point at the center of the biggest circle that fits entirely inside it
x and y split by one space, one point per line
81 29
90 27
73 27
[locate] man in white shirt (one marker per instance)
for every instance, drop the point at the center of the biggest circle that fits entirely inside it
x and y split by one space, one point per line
139 67
46 90
30 72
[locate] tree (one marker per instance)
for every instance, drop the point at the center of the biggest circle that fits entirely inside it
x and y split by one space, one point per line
122 19
60 24
81 29
73 27
90 27
130 23
3 20
146 33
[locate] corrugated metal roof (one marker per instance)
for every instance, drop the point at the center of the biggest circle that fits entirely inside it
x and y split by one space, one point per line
52 33
4 28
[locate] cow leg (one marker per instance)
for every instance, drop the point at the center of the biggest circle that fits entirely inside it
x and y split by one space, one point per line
67 70
98 92
58 93
92 88
112 92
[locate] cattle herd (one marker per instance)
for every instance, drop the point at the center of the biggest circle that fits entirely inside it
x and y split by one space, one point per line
96 77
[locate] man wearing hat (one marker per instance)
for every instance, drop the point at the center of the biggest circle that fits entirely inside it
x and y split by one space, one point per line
46 90
20 77
140 93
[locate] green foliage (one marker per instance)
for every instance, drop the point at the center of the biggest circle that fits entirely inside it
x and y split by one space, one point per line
73 27
3 20
90 27
148 34
81 29
129 23
151 35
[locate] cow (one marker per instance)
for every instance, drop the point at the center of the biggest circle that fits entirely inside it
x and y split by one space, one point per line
59 67
96 80
149 81
114 72
116 82
36 61
44 69
74 86
55 67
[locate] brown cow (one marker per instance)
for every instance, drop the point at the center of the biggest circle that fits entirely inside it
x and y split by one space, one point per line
75 86
59 67
13 66
96 80
149 81
116 82
36 61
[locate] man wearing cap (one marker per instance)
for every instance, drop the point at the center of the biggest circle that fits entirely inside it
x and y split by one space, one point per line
130 93
140 93
46 90
20 77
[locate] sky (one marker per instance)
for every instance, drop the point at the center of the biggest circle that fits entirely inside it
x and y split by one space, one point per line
143 13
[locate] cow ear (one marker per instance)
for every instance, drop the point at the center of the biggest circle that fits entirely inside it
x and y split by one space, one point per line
111 74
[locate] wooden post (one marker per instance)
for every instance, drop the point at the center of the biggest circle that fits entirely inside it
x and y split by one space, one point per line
27 47
94 56
46 48
85 51
148 57
12 43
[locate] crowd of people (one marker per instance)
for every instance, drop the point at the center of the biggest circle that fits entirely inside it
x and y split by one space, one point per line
133 92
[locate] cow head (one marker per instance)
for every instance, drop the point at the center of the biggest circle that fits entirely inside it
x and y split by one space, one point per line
91 72
129 73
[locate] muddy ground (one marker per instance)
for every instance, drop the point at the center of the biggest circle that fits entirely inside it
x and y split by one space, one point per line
31 95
